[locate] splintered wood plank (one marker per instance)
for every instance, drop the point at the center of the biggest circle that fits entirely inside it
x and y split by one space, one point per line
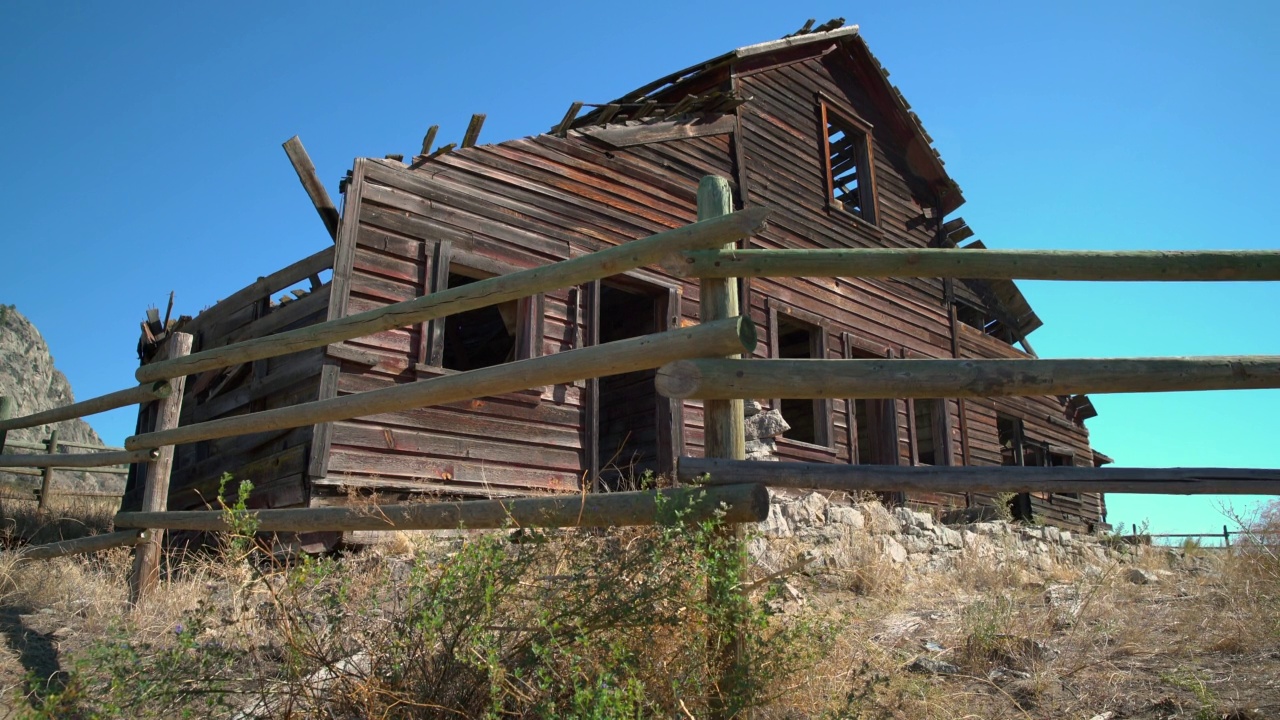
473 130
429 139
315 189
563 128
155 497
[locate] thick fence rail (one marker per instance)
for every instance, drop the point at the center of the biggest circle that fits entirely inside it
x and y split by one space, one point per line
758 378
146 392
92 543
732 503
705 234
78 460
21 444
1090 265
969 478
732 335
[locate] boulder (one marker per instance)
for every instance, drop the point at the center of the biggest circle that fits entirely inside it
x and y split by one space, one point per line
808 511
892 549
844 515
765 424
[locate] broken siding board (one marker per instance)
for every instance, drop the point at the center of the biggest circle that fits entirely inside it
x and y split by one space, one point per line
264 287
463 220
420 195
373 437
484 174
595 185
628 135
356 462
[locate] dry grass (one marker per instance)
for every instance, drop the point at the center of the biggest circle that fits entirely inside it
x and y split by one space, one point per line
22 522
1201 642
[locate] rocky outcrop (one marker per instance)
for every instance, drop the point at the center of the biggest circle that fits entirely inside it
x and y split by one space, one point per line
28 376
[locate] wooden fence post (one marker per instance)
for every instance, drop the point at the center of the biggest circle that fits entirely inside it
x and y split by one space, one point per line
725 438
6 408
146 558
47 484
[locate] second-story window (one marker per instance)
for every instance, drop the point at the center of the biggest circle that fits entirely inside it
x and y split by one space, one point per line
850 179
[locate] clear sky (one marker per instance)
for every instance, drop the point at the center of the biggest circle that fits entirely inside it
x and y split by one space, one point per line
142 154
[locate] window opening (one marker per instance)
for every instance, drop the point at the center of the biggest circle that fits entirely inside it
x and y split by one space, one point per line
799 340
1057 459
848 160
864 437
1013 451
926 445
983 321
482 337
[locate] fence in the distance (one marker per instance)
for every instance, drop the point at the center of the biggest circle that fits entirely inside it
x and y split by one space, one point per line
48 488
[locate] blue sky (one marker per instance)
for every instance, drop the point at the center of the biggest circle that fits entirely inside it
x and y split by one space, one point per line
142 149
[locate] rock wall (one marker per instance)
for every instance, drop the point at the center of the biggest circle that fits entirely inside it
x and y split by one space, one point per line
28 376
842 534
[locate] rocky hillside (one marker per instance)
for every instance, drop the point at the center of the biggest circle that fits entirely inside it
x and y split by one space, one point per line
28 376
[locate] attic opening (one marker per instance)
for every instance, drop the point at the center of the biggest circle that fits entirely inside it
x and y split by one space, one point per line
628 408
983 321
482 337
807 418
847 147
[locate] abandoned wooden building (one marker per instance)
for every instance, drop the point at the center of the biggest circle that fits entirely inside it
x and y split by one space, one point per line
808 125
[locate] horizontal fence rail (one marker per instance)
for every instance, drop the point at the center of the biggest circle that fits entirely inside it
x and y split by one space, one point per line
604 263
759 378
148 391
93 543
1216 265
78 460
969 478
723 337
21 444
733 503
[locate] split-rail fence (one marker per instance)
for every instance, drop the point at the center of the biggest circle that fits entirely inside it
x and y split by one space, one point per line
698 362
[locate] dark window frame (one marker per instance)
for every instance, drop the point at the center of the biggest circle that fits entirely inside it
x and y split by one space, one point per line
440 261
832 114
823 421
883 439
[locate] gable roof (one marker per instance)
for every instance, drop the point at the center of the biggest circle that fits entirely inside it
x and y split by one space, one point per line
705 87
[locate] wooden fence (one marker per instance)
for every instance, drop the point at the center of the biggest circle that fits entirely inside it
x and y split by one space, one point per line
51 461
1252 535
698 362
695 362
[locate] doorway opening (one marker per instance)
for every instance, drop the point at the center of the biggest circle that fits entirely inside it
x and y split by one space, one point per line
629 418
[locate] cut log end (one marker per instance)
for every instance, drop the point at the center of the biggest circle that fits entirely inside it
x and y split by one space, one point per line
678 380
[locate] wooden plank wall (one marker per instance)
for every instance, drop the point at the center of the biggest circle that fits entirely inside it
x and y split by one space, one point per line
782 150
502 207
1044 420
274 461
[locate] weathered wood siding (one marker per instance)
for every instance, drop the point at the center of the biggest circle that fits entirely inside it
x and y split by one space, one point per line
276 462
501 208
783 156
1044 420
